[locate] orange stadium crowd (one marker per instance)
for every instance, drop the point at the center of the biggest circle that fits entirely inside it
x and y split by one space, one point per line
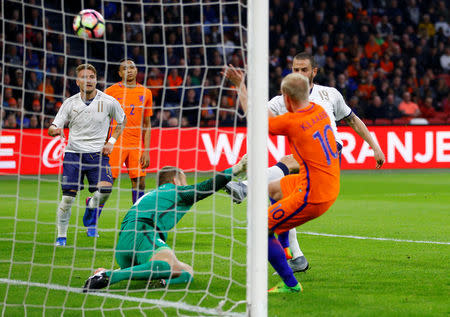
389 59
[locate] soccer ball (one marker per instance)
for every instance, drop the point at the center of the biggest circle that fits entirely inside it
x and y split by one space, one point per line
89 24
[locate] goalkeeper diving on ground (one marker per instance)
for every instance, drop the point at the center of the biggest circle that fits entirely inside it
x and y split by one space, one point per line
142 252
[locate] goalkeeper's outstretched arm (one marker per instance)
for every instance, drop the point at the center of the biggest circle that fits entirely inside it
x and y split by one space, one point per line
192 193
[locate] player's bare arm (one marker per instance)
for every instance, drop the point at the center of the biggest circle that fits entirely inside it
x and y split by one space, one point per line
108 147
360 128
236 76
145 157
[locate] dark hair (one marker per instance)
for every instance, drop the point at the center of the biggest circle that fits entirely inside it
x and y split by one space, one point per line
304 55
167 174
126 59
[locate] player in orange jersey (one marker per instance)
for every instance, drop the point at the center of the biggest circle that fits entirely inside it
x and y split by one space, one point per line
298 198
136 101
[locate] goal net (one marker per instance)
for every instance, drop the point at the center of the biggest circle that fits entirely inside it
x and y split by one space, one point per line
180 49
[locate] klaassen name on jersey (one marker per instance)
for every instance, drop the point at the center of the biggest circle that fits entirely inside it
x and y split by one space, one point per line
328 97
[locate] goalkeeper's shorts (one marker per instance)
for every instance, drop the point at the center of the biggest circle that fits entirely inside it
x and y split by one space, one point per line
137 243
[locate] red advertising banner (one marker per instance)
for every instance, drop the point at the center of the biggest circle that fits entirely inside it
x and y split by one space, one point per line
205 149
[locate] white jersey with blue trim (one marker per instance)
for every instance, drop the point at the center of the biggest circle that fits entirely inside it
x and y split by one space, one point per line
88 124
328 97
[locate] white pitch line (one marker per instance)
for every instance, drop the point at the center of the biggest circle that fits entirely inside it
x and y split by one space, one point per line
188 230
369 238
183 306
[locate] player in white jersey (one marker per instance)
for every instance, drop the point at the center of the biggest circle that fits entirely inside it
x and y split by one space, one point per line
333 103
89 114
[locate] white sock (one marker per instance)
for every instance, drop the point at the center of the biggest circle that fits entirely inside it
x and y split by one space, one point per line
273 173
63 215
293 244
98 199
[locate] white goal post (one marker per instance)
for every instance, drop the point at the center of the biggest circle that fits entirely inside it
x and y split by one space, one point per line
225 243
258 48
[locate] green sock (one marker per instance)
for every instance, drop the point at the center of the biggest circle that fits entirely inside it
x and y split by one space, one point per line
185 277
150 270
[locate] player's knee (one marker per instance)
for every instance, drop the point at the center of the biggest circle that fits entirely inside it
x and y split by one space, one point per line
274 190
105 190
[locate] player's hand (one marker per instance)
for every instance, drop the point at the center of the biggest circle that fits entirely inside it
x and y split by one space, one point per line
379 158
235 75
241 166
57 131
145 160
107 148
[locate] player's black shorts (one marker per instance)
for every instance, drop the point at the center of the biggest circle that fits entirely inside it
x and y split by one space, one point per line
94 166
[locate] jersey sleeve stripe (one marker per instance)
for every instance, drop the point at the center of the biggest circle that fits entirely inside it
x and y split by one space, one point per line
351 111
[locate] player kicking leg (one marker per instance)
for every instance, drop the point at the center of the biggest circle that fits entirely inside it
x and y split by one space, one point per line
288 240
289 211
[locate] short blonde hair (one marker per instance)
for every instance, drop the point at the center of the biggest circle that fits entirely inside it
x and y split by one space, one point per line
296 87
86 66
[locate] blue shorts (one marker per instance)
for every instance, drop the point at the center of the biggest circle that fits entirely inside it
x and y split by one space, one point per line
94 166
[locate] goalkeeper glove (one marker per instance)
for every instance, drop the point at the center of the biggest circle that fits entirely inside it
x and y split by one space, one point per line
240 167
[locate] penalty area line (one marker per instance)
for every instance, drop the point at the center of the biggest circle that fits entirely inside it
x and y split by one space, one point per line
182 306
369 238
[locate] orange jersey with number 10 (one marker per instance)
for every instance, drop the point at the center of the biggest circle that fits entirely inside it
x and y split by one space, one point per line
137 104
313 145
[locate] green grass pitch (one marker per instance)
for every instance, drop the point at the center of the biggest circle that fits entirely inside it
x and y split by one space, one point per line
349 276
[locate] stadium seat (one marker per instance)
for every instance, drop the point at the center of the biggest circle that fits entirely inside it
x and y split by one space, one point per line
401 121
367 121
436 121
381 121
418 121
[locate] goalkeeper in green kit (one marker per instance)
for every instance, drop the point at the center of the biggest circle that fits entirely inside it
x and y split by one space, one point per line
142 252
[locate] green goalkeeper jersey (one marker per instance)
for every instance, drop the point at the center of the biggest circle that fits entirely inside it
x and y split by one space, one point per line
163 207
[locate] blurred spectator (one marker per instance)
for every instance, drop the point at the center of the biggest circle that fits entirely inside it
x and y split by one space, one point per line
11 121
173 122
155 82
427 110
49 90
384 28
391 107
375 108
190 107
407 107
426 27
208 110
445 59
174 83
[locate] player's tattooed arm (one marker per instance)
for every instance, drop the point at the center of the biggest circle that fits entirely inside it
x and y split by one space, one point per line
108 147
360 128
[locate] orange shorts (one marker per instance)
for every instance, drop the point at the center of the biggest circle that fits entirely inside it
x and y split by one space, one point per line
292 210
131 158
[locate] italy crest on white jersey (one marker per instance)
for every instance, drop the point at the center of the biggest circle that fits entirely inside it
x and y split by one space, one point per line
88 124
